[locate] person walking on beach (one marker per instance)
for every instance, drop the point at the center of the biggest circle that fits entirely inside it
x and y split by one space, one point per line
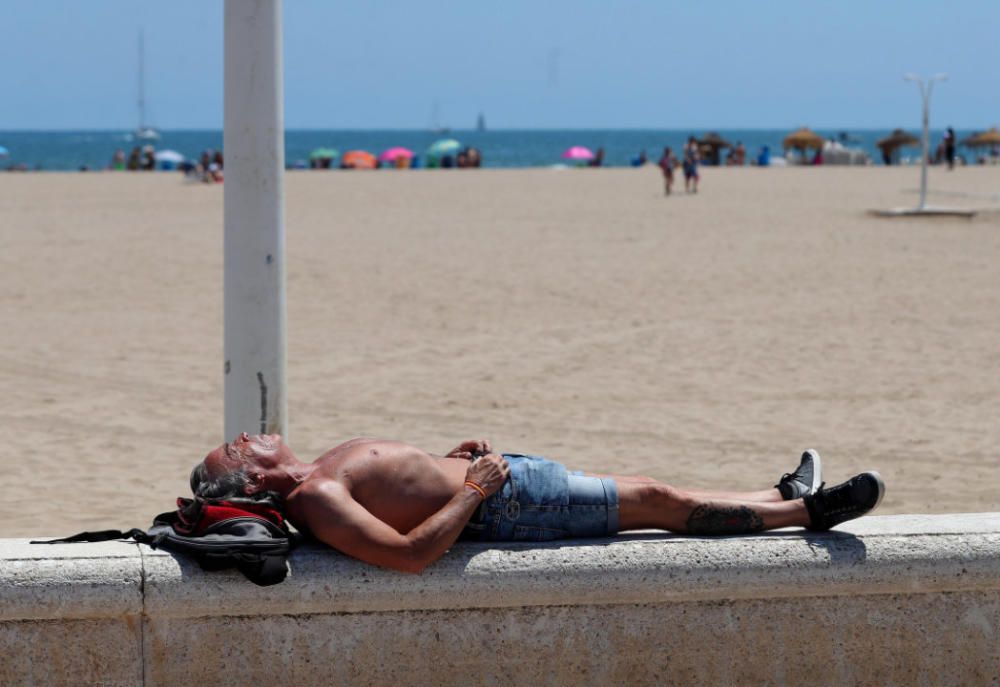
667 163
690 164
949 147
393 505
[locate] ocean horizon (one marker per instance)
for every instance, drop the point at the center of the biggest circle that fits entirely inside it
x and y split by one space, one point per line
64 150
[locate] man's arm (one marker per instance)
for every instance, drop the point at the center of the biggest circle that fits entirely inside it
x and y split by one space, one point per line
335 518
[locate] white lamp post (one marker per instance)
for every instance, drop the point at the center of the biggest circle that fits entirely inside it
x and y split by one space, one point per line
254 219
925 86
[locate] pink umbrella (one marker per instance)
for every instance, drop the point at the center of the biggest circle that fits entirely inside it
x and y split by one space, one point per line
391 154
578 153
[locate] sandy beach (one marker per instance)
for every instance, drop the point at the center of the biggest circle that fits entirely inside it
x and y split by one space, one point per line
702 339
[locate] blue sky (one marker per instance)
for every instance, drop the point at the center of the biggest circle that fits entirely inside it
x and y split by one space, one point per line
71 64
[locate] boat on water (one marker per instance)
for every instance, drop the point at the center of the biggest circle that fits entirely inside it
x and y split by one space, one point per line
143 132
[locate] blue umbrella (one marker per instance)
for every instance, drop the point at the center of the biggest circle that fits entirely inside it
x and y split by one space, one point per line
4 152
446 146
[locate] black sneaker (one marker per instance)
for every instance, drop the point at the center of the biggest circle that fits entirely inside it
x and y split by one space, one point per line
806 479
857 496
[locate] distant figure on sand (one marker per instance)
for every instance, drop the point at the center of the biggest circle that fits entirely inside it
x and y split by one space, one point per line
148 159
739 154
118 160
667 163
393 505
949 147
691 158
134 160
598 158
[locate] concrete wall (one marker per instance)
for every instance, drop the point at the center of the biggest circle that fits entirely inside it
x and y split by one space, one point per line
893 600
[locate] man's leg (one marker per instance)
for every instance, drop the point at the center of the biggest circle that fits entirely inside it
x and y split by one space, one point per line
805 479
643 504
762 496
654 504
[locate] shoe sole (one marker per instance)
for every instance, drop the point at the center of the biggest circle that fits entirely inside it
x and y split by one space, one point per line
881 489
817 470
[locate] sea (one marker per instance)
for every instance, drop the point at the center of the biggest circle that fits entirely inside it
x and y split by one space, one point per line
93 150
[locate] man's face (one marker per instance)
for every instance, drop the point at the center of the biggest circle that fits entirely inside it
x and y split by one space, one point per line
259 450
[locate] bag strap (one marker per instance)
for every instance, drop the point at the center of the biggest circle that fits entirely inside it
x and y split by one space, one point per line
100 535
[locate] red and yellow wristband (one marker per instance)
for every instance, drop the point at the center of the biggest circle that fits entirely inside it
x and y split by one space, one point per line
472 485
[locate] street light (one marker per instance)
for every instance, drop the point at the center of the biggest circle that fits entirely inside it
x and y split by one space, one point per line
926 86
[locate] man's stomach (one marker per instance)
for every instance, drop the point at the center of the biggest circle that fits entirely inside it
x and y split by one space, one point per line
413 494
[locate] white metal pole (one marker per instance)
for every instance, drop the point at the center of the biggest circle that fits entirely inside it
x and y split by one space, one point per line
255 398
142 83
925 94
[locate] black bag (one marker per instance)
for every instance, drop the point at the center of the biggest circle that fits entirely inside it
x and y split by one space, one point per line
248 534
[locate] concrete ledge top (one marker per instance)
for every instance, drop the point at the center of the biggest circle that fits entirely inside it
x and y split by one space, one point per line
44 581
886 554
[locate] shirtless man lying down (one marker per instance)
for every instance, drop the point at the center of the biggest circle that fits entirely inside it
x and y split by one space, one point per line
396 506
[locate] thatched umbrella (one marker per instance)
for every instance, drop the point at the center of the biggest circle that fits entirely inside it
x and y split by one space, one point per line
710 145
804 138
984 138
898 138
894 141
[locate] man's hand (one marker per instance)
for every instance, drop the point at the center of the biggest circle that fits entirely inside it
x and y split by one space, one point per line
473 448
489 472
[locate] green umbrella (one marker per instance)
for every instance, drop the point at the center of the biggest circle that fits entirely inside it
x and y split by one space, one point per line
323 154
446 146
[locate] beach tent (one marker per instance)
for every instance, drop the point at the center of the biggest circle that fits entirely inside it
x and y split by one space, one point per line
984 138
358 159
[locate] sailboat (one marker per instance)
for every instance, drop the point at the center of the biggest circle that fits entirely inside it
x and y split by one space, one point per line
143 132
436 126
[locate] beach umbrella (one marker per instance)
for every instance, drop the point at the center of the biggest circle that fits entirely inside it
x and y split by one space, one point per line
358 159
578 153
169 156
897 138
804 138
710 145
446 146
984 138
714 140
323 154
391 154
4 152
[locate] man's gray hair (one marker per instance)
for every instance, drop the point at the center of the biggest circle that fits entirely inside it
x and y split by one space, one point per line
231 484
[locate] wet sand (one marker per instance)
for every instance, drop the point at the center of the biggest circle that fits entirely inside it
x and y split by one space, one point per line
702 339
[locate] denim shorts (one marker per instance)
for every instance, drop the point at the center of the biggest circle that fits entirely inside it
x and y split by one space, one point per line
541 501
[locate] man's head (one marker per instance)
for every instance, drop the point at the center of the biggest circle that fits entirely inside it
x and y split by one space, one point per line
243 467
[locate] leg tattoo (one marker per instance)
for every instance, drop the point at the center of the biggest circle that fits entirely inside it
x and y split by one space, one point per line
708 519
